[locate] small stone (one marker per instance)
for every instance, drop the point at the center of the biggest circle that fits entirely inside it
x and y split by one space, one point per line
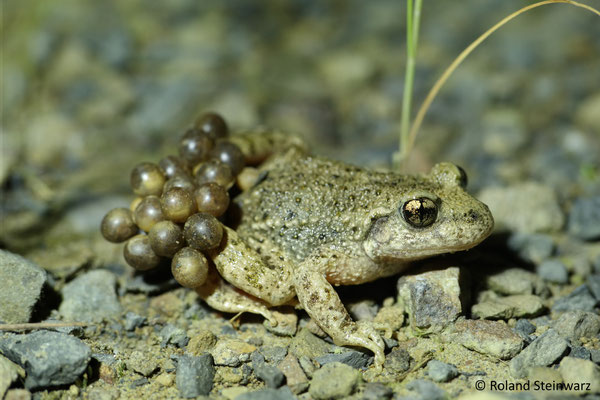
9 372
364 310
440 371
494 338
431 299
525 327
543 351
292 370
516 306
532 247
201 342
390 317
584 218
544 374
426 390
593 284
580 352
132 321
516 281
90 297
165 380
397 361
270 375
167 304
49 358
376 391
171 334
578 371
103 393
194 375
574 325
283 393
354 359
528 207
231 352
553 271
595 356
334 381
579 299
21 283
307 344
273 354
142 362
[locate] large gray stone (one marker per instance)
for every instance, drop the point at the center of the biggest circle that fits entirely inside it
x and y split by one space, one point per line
194 375
49 358
90 297
431 299
574 325
21 283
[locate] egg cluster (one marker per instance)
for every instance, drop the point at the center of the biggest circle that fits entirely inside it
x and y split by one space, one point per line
178 202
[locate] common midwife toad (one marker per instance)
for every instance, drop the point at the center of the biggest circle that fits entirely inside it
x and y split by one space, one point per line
309 224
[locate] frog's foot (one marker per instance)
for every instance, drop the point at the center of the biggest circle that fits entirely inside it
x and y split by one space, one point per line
221 296
259 144
362 334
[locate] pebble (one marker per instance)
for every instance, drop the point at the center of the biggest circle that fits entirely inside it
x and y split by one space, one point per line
576 370
293 371
580 352
516 281
493 338
538 210
532 247
21 283
142 362
397 361
273 354
49 358
426 390
363 310
431 299
283 393
440 371
584 218
334 381
577 324
90 297
355 359
133 320
525 327
201 342
515 306
593 284
9 372
579 299
194 376
307 344
544 351
376 391
553 271
18 394
171 334
232 352
270 375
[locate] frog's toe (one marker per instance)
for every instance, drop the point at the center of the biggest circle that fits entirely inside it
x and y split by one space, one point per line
363 334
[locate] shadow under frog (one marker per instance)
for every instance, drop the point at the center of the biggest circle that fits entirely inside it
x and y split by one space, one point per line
310 224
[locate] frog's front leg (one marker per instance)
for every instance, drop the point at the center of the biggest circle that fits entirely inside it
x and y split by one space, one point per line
221 296
322 303
266 276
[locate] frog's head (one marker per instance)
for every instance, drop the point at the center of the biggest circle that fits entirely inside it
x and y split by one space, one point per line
433 215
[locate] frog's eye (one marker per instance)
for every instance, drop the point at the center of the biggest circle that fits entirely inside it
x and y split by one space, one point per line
463 180
420 212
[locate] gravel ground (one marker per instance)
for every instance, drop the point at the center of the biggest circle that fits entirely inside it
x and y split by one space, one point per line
89 89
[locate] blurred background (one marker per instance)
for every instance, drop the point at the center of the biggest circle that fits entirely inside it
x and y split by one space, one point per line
91 88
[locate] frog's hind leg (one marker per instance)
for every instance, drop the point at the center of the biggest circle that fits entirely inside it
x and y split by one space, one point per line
221 296
267 277
259 144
